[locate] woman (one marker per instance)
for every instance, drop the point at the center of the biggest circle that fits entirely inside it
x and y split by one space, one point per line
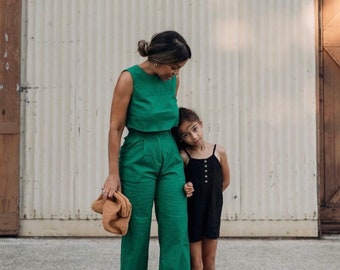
148 167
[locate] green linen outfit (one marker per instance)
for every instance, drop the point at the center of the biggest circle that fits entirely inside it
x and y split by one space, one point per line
151 171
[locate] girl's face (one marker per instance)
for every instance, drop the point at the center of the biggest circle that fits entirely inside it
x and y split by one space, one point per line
167 71
191 133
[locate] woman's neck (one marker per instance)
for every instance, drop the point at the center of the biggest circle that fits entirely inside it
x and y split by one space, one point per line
147 67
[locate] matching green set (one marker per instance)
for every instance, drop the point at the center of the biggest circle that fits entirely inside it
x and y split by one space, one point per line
151 172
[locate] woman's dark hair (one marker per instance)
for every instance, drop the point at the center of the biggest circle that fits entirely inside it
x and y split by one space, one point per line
185 114
167 47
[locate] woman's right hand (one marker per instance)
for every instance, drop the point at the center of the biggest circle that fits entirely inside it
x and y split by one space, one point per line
189 189
111 185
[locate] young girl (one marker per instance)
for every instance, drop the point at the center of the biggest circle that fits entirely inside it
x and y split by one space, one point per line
207 176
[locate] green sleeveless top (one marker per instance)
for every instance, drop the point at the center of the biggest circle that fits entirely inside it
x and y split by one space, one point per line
153 105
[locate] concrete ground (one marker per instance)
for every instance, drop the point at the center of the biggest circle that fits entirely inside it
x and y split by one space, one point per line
233 254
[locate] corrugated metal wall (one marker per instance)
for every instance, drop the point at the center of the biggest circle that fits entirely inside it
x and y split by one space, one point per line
252 78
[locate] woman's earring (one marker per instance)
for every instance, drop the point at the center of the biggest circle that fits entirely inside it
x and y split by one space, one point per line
155 64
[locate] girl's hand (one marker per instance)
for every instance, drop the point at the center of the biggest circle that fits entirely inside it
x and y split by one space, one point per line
189 189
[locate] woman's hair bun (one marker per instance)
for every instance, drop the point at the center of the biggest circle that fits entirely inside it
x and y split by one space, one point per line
143 48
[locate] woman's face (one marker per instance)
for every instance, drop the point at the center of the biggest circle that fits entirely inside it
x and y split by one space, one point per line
167 71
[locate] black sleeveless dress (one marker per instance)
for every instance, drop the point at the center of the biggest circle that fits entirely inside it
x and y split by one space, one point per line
205 206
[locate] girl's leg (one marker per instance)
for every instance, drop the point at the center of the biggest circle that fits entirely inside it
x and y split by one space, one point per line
209 247
196 255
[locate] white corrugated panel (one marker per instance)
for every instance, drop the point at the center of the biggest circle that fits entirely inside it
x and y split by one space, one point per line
252 79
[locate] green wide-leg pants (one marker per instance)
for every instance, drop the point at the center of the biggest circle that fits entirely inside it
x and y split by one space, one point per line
151 171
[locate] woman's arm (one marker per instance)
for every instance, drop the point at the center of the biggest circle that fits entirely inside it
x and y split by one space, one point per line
120 102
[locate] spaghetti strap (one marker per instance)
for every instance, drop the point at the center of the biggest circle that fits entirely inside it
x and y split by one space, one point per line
187 153
214 149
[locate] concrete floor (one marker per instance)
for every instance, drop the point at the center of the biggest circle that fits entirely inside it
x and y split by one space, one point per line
233 254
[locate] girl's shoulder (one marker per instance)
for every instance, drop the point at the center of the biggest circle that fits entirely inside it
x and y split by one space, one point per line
220 152
220 148
185 157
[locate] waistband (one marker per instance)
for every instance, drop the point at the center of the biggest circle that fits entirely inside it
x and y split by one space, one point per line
149 133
